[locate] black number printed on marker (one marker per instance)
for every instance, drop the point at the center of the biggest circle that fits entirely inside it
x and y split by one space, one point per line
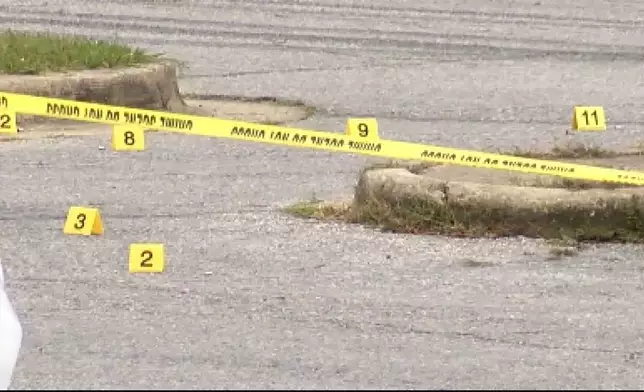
587 117
80 221
5 119
146 255
363 130
129 138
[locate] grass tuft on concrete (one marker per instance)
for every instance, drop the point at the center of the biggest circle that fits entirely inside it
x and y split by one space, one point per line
318 209
23 53
424 217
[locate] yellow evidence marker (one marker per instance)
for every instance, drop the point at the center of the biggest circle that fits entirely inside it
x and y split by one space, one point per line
127 138
83 221
588 118
365 128
146 258
8 122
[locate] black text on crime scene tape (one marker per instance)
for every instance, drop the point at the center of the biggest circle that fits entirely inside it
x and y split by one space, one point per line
631 177
504 163
293 137
138 118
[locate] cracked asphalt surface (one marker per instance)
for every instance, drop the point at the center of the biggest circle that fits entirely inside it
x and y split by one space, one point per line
253 298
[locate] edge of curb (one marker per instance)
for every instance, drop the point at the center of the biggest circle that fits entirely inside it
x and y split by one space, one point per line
529 211
149 86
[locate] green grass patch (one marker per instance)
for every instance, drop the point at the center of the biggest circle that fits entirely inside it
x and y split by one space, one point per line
23 53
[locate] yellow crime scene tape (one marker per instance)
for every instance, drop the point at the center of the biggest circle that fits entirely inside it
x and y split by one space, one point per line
10 104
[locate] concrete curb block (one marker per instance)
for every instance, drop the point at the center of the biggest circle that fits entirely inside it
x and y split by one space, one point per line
151 86
529 211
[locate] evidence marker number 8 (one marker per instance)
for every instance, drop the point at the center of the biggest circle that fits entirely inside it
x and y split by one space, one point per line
127 138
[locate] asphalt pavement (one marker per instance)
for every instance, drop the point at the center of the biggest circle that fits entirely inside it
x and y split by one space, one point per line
253 298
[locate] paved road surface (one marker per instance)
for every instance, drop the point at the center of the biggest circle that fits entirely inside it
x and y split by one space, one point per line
297 304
